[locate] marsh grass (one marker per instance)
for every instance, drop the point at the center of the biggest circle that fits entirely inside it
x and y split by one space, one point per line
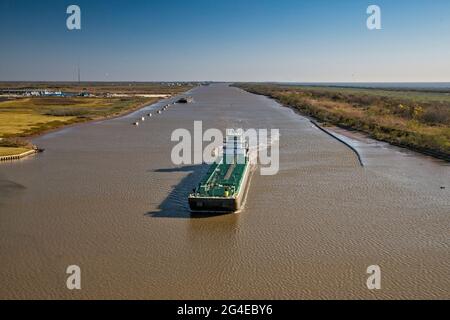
24 117
417 120
28 116
100 87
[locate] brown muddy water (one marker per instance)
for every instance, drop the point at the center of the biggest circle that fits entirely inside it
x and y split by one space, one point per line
106 196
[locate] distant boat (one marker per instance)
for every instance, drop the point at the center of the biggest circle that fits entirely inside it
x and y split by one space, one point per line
185 100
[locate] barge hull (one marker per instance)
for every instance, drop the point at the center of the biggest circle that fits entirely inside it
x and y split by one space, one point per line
211 205
221 205
224 187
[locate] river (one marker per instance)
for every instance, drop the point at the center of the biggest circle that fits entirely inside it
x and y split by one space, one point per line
105 196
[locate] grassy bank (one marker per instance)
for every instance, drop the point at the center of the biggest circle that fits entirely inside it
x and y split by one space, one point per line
418 120
23 117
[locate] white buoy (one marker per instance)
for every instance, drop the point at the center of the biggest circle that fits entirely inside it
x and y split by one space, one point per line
143 119
136 123
149 115
159 111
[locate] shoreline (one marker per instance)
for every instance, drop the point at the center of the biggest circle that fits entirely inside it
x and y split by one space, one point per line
18 156
108 117
92 120
423 151
124 113
331 134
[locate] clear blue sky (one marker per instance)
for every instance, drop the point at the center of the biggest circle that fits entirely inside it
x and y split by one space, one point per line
230 40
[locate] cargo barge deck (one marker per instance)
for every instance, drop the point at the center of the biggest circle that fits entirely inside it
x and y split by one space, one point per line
223 188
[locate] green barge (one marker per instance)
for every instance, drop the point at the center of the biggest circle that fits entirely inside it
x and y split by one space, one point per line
223 188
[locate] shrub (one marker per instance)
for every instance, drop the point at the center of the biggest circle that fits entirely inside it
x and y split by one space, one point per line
14 143
436 115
